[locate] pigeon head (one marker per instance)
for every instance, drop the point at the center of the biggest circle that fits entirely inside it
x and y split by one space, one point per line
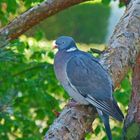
65 43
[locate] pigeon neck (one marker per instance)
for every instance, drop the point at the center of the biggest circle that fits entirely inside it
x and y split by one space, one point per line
71 49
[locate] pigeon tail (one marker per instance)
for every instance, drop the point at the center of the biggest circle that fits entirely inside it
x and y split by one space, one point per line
119 112
105 119
109 107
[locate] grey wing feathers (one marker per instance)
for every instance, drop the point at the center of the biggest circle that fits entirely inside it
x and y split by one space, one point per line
110 108
89 77
92 81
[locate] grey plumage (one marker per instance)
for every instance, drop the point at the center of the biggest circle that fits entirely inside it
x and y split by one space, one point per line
85 80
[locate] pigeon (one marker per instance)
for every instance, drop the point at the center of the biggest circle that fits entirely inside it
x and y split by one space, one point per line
85 80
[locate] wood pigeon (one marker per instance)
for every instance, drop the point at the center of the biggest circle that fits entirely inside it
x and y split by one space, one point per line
85 80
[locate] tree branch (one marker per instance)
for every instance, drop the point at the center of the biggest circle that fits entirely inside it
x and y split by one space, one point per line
124 47
32 17
66 125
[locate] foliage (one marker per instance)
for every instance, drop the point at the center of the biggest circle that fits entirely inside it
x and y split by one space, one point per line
30 80
11 8
30 95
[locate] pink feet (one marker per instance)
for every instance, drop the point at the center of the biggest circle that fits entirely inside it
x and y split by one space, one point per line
56 113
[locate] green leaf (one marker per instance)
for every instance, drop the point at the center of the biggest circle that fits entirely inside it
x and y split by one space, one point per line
106 2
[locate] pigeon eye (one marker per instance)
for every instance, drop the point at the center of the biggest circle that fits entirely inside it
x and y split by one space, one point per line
63 42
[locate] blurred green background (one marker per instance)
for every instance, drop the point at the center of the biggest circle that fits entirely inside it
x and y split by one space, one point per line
30 95
86 23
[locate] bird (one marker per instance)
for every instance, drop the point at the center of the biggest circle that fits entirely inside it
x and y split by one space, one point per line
86 80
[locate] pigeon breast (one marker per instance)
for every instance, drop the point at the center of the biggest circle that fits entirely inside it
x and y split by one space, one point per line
60 63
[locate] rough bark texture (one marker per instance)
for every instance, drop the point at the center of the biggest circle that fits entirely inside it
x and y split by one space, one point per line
33 16
69 120
132 121
124 44
124 47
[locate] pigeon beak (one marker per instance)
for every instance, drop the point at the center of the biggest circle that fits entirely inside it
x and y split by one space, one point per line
54 45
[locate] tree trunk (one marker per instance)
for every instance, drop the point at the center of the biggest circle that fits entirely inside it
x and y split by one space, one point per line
124 47
132 121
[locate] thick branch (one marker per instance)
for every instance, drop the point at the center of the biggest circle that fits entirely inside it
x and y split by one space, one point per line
33 16
124 47
66 125
124 44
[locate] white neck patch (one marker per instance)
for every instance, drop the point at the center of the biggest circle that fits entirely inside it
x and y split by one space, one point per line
71 49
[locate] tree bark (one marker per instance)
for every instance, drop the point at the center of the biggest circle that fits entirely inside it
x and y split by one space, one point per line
32 17
123 50
132 121
124 46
